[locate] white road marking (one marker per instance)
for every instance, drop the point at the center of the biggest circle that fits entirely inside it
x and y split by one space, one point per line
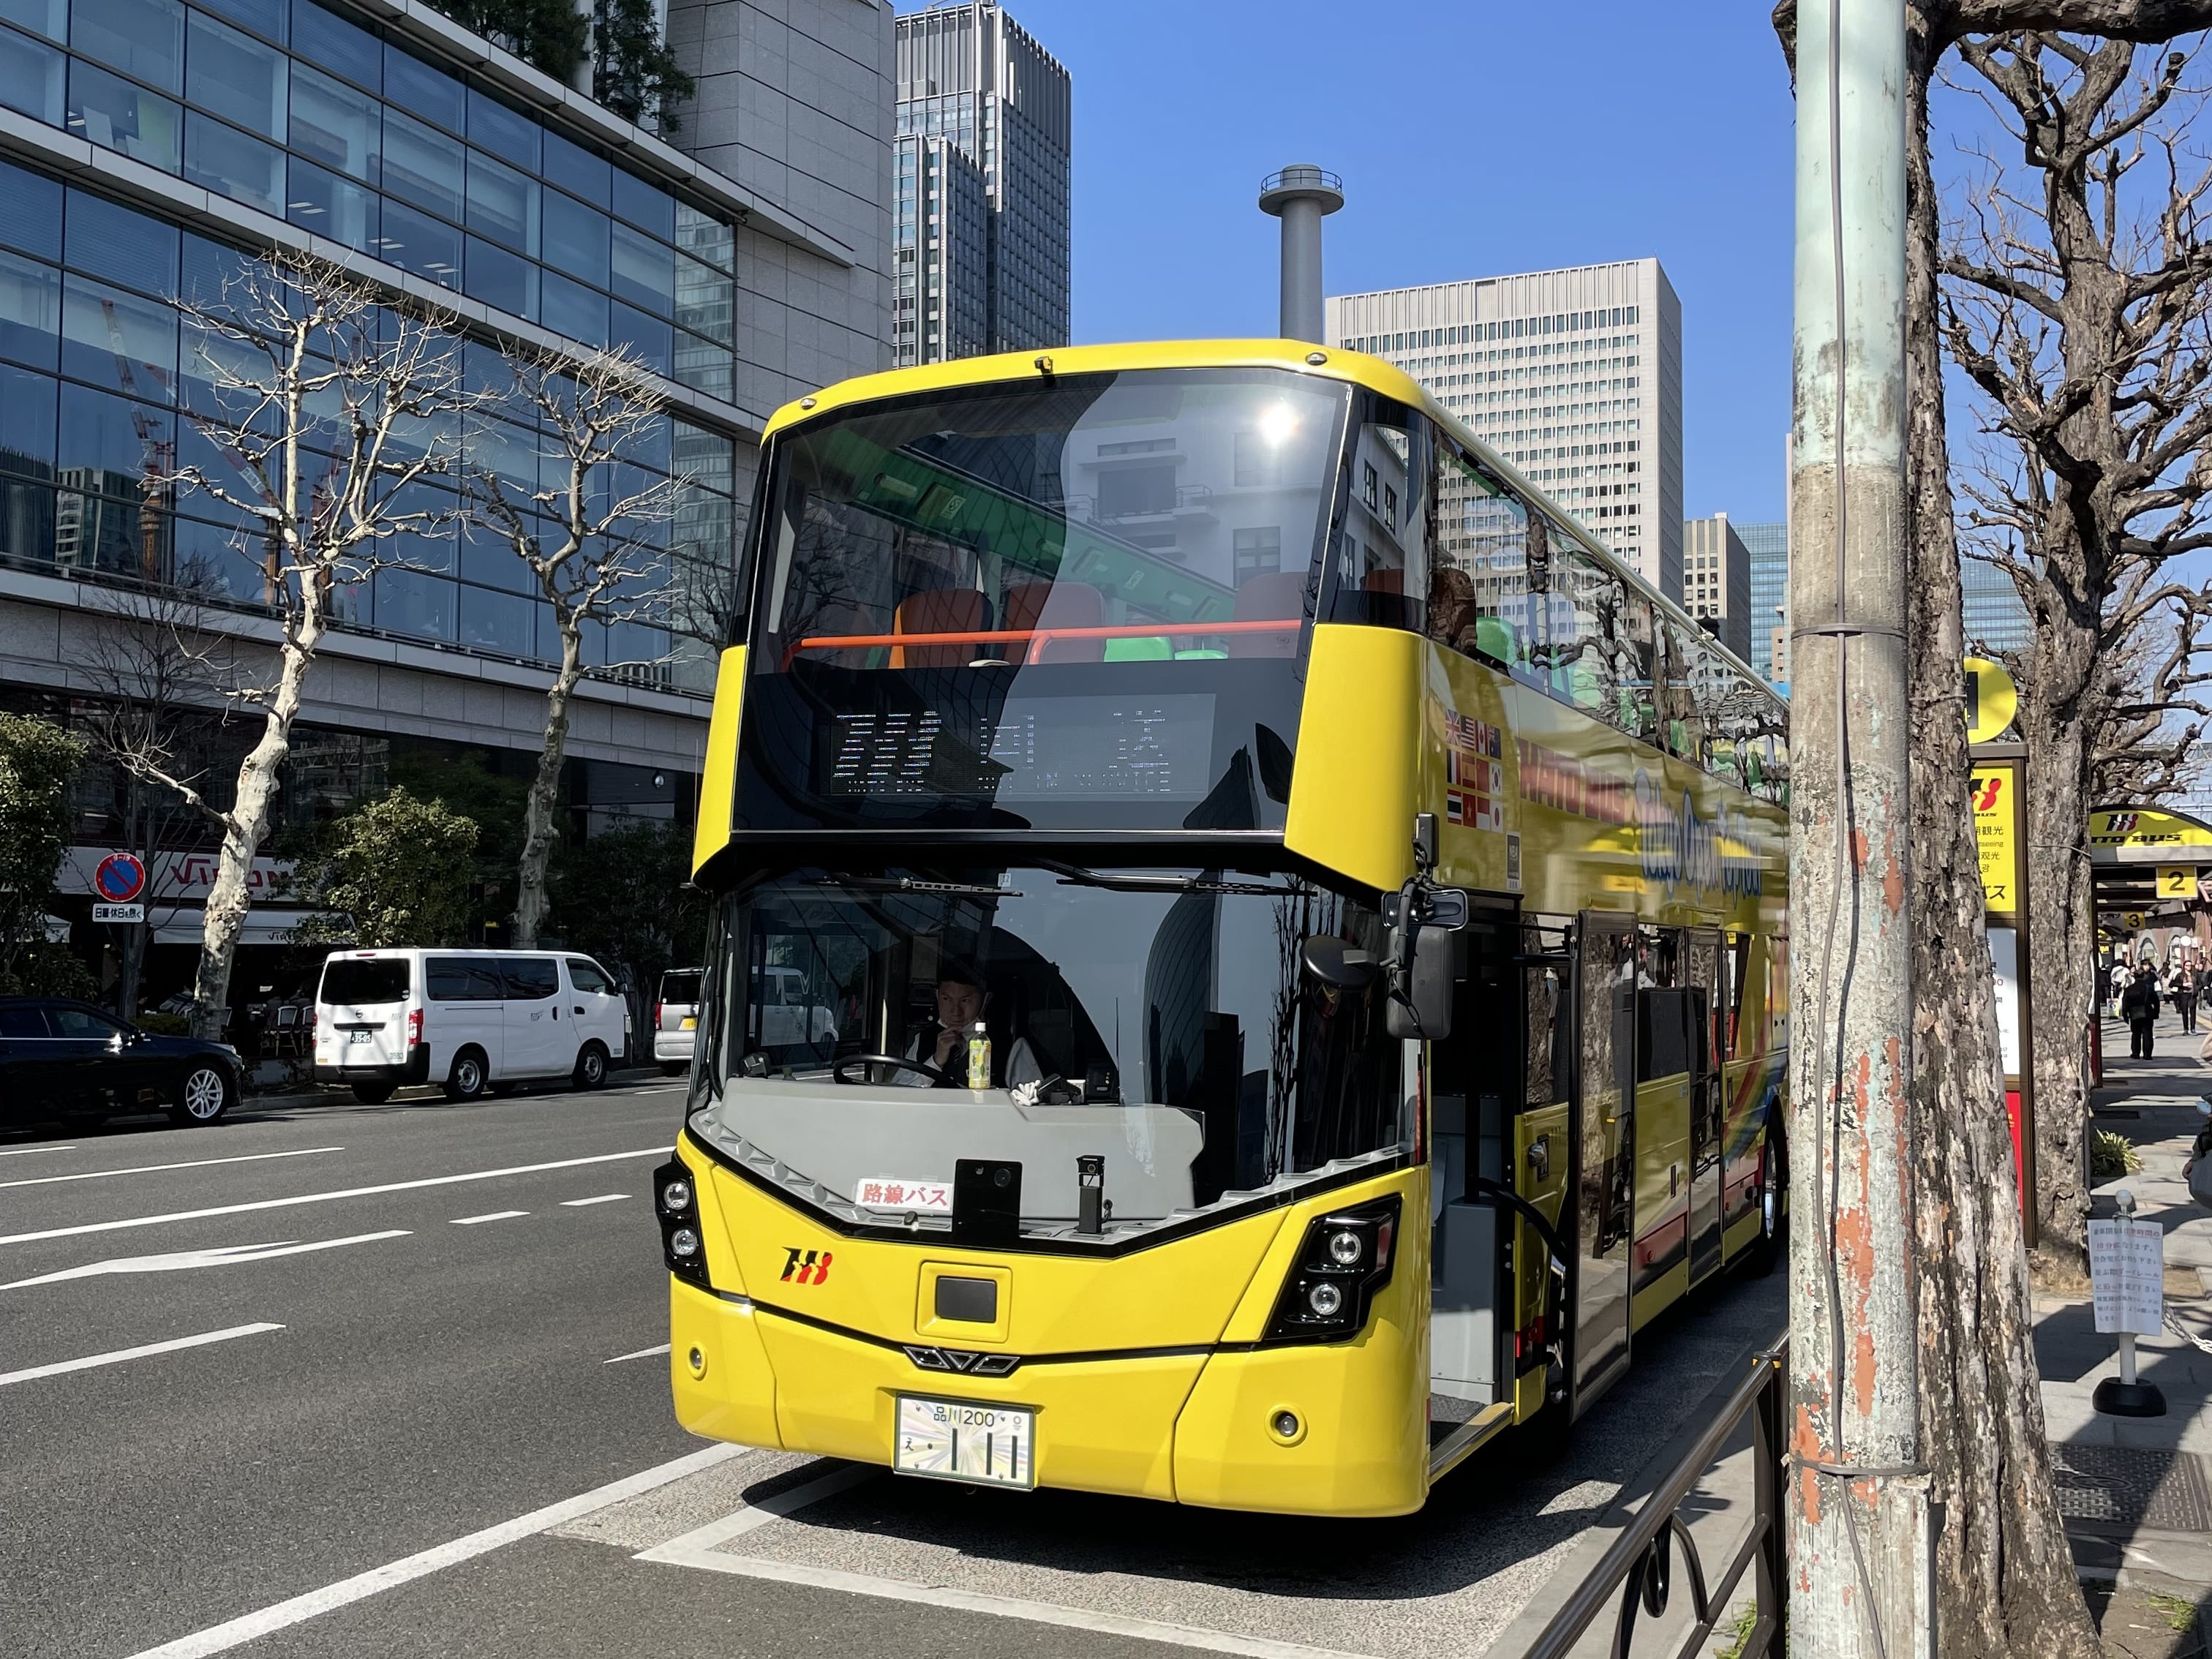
25 1151
121 1354
697 1549
320 1198
642 1354
221 1255
488 1215
604 1198
156 1169
681 1549
249 1627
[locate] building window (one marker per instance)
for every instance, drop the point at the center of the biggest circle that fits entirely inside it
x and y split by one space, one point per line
1258 552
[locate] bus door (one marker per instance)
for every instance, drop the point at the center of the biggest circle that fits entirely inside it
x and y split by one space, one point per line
1665 1085
1708 998
1604 1152
1474 1086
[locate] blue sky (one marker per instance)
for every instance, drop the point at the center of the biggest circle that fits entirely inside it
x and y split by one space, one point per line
1475 138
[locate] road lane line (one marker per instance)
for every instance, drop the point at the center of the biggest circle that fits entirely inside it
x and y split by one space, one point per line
221 1255
25 1151
1006 1607
320 1198
121 1354
642 1354
699 1548
156 1169
684 1549
249 1627
490 1215
604 1198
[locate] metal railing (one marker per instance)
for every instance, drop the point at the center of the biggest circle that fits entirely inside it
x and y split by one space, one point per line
1640 1564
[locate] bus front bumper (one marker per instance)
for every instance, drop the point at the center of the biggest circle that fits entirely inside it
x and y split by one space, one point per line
1193 1426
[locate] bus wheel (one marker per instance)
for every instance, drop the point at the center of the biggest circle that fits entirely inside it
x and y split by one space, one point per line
1773 1206
467 1081
590 1066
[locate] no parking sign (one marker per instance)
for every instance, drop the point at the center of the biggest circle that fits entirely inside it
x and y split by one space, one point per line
120 878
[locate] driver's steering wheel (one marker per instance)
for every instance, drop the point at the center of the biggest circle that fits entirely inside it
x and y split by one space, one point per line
848 1062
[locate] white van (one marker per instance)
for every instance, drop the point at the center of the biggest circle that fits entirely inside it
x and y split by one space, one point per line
467 1019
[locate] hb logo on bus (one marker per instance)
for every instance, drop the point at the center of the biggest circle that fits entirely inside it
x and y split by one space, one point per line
811 1267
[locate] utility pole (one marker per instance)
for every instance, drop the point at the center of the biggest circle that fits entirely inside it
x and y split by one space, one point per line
1861 1555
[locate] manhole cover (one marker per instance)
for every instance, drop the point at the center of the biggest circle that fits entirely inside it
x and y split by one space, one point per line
2119 1488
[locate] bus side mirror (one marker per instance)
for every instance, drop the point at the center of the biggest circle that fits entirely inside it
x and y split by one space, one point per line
1420 1004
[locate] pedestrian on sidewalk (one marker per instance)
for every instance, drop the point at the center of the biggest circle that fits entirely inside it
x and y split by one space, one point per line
2139 1007
2182 989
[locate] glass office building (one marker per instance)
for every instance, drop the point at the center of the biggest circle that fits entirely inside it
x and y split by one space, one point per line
1769 547
148 148
297 110
970 74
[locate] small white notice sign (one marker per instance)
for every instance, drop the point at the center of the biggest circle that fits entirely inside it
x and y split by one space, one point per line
2127 1275
119 913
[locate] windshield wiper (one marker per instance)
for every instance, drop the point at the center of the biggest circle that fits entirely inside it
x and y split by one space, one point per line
1139 882
908 884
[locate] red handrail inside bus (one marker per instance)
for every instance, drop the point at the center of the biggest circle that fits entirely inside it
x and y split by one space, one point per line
1040 637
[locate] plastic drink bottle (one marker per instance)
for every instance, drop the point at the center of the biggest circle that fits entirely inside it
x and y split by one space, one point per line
979 1056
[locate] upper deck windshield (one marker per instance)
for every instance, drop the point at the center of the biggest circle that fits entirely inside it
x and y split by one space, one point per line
1161 1019
1055 603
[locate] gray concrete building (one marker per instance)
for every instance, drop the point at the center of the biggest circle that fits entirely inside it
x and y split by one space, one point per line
1575 376
147 147
968 74
1716 581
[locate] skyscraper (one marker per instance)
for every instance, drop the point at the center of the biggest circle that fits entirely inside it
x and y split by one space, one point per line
972 77
1995 618
1716 580
1575 376
1769 547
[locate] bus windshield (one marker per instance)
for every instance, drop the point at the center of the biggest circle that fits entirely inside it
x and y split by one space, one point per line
1158 1018
1054 602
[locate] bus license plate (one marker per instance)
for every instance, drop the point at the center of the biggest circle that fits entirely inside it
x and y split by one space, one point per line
359 1036
965 1440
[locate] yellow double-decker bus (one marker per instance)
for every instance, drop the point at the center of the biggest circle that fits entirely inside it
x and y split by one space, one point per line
1249 956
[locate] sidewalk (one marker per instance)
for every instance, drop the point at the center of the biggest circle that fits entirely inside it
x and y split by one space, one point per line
2136 1492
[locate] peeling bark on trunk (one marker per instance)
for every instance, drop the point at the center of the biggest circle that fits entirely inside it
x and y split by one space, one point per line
247 825
539 826
2005 1581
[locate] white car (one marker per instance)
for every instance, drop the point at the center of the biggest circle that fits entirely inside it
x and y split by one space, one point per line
676 1019
467 1019
787 1016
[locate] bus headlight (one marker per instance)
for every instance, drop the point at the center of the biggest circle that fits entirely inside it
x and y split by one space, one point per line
1343 1261
683 1246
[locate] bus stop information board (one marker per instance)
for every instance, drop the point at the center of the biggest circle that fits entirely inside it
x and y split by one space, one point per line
1995 834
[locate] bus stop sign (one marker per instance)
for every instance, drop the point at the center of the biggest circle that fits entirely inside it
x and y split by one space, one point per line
1991 700
120 878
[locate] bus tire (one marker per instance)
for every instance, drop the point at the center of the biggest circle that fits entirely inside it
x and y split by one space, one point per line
467 1080
590 1066
1767 1250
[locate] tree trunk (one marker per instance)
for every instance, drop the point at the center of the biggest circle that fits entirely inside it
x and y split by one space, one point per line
247 826
2005 1581
2059 725
539 824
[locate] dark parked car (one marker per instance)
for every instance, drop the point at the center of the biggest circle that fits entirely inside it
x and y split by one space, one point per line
69 1060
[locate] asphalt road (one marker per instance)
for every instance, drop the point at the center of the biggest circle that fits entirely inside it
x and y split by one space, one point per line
382 1343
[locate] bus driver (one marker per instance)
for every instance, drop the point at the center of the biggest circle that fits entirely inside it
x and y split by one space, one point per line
961 1001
